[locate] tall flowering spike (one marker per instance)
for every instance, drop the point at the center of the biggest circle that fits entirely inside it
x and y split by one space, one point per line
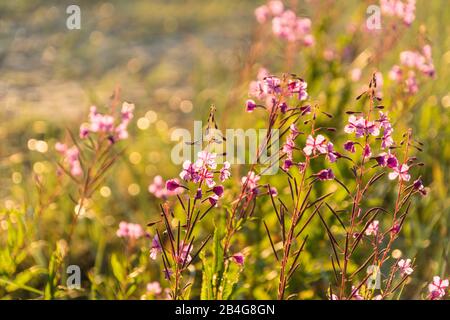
325 174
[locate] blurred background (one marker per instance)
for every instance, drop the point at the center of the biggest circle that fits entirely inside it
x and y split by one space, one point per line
173 59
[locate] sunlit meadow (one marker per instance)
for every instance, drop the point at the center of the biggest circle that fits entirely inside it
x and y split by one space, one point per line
93 204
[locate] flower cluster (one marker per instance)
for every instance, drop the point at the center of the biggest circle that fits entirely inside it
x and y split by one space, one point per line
404 10
130 230
71 157
107 124
363 127
159 190
285 23
203 171
410 63
276 92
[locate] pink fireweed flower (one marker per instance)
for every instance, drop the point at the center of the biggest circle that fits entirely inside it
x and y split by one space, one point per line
127 112
206 159
412 86
213 200
387 160
154 288
418 186
129 230
367 151
84 130
155 248
405 267
287 164
172 185
159 190
396 73
412 62
315 144
332 155
325 174
106 123
361 127
401 172
272 8
438 288
71 158
350 146
291 28
294 131
183 256
289 147
218 190
238 258
372 229
251 180
225 171
298 87
189 172
386 139
250 105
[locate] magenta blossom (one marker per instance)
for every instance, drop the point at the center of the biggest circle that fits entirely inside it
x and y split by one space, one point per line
159 190
438 288
418 186
250 105
172 185
325 174
350 146
332 155
238 258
